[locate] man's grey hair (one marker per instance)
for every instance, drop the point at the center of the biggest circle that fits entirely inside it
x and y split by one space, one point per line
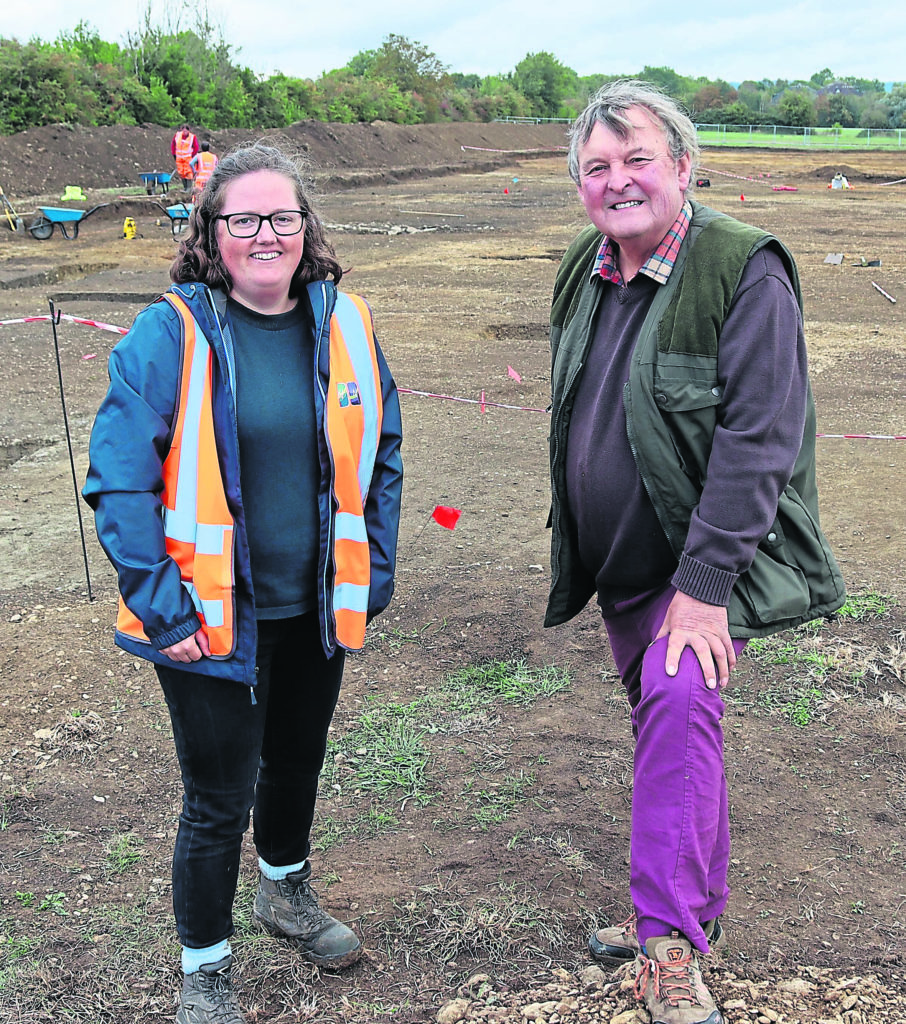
609 107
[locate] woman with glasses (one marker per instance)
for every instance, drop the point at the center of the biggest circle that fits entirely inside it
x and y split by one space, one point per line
246 476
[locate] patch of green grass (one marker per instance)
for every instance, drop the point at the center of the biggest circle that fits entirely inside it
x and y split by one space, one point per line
792 649
768 136
509 682
123 851
53 901
493 804
388 755
387 751
14 950
331 832
869 605
25 899
799 704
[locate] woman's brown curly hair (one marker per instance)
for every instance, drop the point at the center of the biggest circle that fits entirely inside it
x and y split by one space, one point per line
198 256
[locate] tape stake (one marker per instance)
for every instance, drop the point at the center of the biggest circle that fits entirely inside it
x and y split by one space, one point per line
881 290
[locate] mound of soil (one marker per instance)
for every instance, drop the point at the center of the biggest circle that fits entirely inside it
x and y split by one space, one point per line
44 160
827 171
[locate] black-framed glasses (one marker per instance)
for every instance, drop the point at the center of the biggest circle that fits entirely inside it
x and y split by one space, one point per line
247 225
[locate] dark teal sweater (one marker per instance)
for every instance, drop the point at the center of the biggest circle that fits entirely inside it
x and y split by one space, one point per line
278 455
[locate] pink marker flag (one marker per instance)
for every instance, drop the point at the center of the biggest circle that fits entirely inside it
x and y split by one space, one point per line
512 373
446 516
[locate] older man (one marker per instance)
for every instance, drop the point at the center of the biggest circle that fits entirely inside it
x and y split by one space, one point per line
683 479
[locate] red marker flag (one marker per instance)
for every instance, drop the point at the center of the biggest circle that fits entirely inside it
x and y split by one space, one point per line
512 373
446 516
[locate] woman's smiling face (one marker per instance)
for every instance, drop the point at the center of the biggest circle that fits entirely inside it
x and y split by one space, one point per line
261 267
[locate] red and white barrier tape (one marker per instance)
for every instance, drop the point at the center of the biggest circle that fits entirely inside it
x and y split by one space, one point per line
545 149
740 177
483 402
867 437
72 319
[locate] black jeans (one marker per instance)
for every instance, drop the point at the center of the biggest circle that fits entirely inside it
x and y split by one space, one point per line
235 755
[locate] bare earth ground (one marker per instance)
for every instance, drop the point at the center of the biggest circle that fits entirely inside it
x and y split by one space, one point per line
473 835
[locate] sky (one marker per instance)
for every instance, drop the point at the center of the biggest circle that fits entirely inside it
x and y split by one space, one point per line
715 38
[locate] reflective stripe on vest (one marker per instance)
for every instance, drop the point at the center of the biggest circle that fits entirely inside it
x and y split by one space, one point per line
354 416
204 168
198 526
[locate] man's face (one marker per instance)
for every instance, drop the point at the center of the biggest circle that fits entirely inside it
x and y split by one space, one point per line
632 189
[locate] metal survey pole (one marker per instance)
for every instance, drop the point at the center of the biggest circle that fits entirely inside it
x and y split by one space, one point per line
54 320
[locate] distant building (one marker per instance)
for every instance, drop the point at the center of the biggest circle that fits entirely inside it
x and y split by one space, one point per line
840 89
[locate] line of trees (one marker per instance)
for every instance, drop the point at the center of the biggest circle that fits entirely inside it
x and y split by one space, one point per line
169 74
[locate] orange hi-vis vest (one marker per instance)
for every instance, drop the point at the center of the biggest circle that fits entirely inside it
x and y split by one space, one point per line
205 163
184 154
353 414
198 525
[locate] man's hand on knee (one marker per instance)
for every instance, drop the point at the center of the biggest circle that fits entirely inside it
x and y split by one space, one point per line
703 627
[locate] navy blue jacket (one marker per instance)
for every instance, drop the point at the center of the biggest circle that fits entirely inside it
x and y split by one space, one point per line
130 441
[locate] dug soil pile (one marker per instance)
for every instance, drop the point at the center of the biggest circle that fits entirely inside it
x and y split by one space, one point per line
44 160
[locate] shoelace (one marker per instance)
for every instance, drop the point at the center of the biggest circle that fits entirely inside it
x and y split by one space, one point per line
629 927
672 982
220 991
302 898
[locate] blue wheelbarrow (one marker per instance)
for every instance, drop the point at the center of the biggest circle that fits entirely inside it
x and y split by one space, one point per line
154 180
179 216
67 219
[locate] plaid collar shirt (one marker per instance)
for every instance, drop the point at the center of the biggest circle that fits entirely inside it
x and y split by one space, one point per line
659 264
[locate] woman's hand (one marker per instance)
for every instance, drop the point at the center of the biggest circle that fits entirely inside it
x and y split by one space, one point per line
193 648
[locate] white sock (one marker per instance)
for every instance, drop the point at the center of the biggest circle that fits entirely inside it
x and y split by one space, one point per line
194 959
278 874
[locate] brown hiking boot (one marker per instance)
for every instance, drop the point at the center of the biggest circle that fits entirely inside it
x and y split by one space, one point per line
208 996
290 908
619 944
669 982
616 945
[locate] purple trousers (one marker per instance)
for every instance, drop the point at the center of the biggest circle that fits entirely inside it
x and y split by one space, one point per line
680 845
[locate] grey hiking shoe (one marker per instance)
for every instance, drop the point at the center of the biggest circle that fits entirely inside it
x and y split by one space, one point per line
290 908
208 996
669 982
619 944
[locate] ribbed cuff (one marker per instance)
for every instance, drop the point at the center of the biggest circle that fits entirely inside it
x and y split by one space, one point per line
173 636
704 582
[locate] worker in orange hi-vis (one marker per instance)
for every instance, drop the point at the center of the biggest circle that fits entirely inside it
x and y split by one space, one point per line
202 165
183 147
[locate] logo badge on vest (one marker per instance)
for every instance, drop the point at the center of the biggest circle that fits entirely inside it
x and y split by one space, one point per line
348 394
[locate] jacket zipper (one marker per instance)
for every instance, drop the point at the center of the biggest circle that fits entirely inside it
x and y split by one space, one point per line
326 608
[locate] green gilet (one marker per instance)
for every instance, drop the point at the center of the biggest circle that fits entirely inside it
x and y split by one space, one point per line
671 402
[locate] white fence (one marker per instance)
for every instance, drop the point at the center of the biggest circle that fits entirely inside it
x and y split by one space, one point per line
774 135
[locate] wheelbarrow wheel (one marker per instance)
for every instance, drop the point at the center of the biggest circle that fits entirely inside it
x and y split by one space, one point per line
41 228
